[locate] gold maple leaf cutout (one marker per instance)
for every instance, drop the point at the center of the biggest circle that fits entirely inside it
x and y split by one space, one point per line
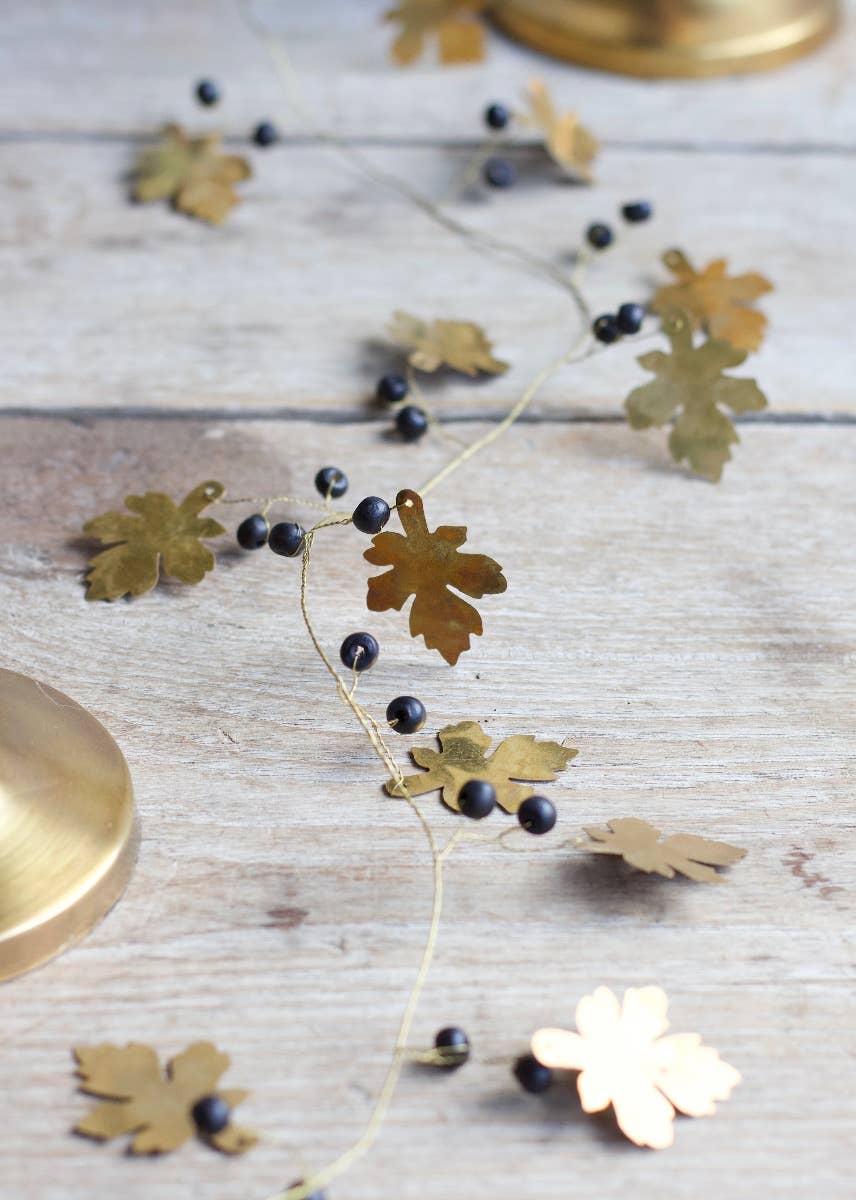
463 756
691 384
567 141
157 1107
461 345
715 301
460 36
426 566
625 1061
192 173
161 532
639 844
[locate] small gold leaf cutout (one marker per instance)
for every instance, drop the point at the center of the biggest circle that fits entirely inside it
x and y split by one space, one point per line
715 301
460 36
566 141
192 173
461 345
639 844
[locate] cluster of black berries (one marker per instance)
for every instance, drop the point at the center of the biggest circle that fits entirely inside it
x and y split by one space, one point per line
498 172
477 799
208 93
286 537
600 235
411 421
628 320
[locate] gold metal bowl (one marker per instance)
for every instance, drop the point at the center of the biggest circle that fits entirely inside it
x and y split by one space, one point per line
671 37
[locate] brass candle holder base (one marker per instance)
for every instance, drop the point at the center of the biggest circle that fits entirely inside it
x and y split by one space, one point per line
690 38
67 832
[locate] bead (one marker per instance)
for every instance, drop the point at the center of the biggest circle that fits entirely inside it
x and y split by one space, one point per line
605 328
330 481
252 533
207 92
211 1115
630 317
497 116
406 714
287 539
537 814
477 798
265 134
636 211
600 236
499 173
531 1075
411 422
359 651
392 389
371 514
456 1041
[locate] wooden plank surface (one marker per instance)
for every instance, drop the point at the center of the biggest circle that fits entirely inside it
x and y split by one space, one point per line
696 643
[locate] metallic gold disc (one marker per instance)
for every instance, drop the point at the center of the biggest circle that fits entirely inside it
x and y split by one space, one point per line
67 832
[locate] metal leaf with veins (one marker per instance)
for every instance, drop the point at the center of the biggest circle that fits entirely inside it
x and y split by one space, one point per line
639 844
714 300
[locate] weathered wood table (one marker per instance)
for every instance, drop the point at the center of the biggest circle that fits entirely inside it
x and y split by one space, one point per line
695 642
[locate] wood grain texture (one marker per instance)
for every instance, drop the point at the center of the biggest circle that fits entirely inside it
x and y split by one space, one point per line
696 643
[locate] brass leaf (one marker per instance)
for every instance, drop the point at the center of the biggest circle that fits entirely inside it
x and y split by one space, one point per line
715 301
463 756
461 345
567 141
157 1107
161 533
638 843
460 36
192 173
426 566
625 1061
691 384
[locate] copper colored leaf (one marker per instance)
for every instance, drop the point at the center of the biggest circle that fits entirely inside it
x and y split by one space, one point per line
160 535
639 844
567 141
691 389
460 37
718 302
192 173
139 1098
463 756
624 1060
427 566
461 345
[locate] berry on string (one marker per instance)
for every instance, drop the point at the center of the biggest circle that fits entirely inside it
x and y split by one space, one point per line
265 134
359 651
287 539
499 173
211 1115
497 116
630 317
406 714
330 481
532 1076
636 211
371 514
599 235
207 92
477 798
537 815
253 532
605 328
411 422
391 389
456 1045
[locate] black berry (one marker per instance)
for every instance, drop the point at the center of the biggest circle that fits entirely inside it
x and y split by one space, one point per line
537 814
330 481
600 236
211 1115
477 798
638 210
371 514
499 173
359 651
531 1075
265 134
605 328
287 538
392 389
497 116
630 317
253 532
411 422
207 92
456 1044
406 714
